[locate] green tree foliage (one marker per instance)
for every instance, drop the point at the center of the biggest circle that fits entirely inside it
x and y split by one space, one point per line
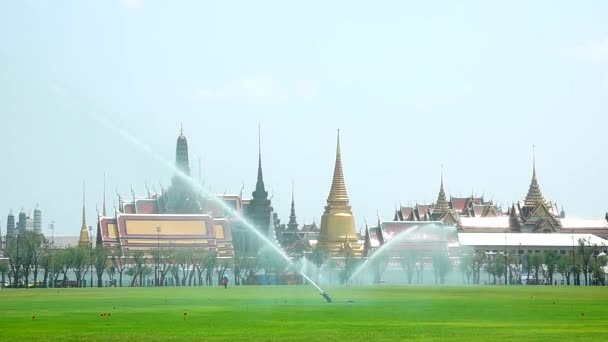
441 265
100 262
408 261
551 260
564 267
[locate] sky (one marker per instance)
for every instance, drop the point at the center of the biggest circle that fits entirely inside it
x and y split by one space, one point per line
89 88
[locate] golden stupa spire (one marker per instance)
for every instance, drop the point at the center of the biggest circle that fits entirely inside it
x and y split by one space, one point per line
84 220
337 222
337 194
83 240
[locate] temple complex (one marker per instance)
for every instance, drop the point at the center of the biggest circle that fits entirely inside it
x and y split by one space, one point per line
338 235
473 218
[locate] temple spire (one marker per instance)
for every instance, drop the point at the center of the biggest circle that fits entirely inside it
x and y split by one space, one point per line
442 202
337 194
181 153
293 223
84 239
259 186
84 220
534 196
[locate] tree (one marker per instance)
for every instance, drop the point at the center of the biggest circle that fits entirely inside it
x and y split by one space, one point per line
14 253
496 268
564 267
3 271
101 262
209 263
220 270
318 258
514 271
527 266
24 253
45 264
59 264
36 246
536 263
183 258
198 263
270 261
597 269
137 268
119 261
551 261
441 265
249 267
408 261
111 272
585 250
80 261
351 262
479 260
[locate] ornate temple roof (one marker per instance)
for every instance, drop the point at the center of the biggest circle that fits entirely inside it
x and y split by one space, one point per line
460 203
442 203
534 196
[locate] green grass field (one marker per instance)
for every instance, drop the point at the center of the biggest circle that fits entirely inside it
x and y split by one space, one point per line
279 313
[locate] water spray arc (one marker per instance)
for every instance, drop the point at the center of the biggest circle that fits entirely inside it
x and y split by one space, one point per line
402 236
199 188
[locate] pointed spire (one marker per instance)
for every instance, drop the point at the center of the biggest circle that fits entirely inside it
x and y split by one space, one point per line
534 196
260 188
367 244
84 221
84 239
442 202
181 153
337 194
260 176
104 196
293 223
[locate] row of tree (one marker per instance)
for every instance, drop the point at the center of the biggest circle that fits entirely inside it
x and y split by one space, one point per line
31 261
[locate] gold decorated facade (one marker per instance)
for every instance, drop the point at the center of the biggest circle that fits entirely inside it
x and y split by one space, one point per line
149 232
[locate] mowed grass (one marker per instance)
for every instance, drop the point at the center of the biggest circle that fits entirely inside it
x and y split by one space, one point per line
280 313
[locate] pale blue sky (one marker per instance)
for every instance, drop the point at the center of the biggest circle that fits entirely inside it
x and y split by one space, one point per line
471 85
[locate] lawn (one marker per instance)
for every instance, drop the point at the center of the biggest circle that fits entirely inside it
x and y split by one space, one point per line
279 313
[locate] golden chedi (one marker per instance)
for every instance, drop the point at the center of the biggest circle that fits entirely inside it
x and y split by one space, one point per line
337 222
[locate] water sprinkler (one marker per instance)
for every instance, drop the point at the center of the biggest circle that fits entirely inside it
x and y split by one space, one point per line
326 296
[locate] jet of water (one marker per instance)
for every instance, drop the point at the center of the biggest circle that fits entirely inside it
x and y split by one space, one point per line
400 237
199 188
